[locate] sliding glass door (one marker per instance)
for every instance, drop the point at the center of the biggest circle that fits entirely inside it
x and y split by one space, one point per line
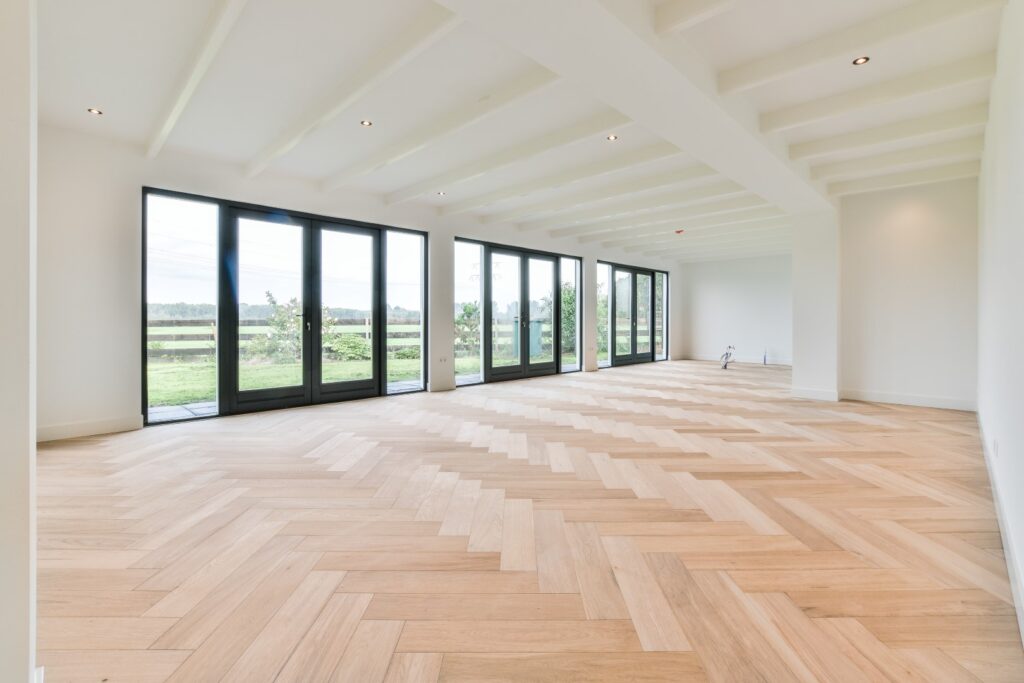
637 314
308 309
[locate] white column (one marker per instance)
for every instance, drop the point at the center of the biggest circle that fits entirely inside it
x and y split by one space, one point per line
440 314
18 340
589 314
816 306
678 314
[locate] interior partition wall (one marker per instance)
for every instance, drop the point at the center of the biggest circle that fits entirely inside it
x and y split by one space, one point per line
250 308
517 312
633 314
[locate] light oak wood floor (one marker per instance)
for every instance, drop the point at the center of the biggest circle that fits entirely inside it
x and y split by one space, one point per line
662 522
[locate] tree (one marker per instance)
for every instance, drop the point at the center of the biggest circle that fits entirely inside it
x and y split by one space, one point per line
283 341
570 319
467 325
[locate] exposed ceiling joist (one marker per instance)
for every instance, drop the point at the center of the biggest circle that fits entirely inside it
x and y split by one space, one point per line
632 232
592 170
735 255
966 169
774 240
689 174
972 69
675 100
942 152
407 44
447 124
849 42
680 15
221 23
598 231
776 246
696 195
974 116
565 136
669 238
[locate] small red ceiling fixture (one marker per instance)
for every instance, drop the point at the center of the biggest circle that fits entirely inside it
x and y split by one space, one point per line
680 231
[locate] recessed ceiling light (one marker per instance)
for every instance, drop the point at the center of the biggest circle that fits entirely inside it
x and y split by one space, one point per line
612 137
441 193
861 60
94 111
366 123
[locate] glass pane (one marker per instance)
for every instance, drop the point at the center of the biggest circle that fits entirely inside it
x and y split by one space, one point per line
643 313
405 311
505 326
346 281
542 310
570 327
604 329
660 350
469 353
623 313
269 304
181 308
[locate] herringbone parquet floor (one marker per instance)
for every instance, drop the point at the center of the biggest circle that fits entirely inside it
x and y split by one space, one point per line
663 522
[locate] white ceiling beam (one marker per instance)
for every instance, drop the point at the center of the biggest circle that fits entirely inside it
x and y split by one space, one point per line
676 98
680 15
696 195
593 126
967 169
447 124
757 252
781 240
597 231
964 118
220 25
668 238
407 44
696 172
573 175
717 220
849 42
970 70
943 152
688 243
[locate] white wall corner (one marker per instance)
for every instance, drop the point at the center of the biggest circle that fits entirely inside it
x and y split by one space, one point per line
816 305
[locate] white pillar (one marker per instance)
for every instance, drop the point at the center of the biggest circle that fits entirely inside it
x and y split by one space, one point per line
441 311
678 315
18 341
816 306
589 314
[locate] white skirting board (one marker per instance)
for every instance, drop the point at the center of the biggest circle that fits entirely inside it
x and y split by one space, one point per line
815 394
947 402
71 430
1013 568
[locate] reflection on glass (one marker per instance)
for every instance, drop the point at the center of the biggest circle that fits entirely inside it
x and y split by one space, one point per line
660 317
542 310
181 308
604 329
404 311
623 313
569 324
270 304
643 313
469 353
346 281
505 310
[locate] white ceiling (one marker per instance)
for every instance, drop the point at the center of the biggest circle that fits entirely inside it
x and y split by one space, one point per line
731 114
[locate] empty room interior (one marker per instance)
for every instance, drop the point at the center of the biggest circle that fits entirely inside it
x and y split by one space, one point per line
511 340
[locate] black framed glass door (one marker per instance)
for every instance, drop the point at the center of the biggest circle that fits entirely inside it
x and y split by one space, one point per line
632 303
521 310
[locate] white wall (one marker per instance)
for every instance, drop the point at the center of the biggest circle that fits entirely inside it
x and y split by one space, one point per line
17 341
1001 288
90 266
744 302
816 306
909 295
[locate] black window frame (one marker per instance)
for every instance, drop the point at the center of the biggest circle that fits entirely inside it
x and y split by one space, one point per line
634 270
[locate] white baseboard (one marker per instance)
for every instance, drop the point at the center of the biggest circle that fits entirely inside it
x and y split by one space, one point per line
1013 568
39 674
910 399
815 394
71 430
759 360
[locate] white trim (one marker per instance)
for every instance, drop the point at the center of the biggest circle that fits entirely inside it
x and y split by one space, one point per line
749 360
1013 568
947 402
71 430
39 674
815 394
